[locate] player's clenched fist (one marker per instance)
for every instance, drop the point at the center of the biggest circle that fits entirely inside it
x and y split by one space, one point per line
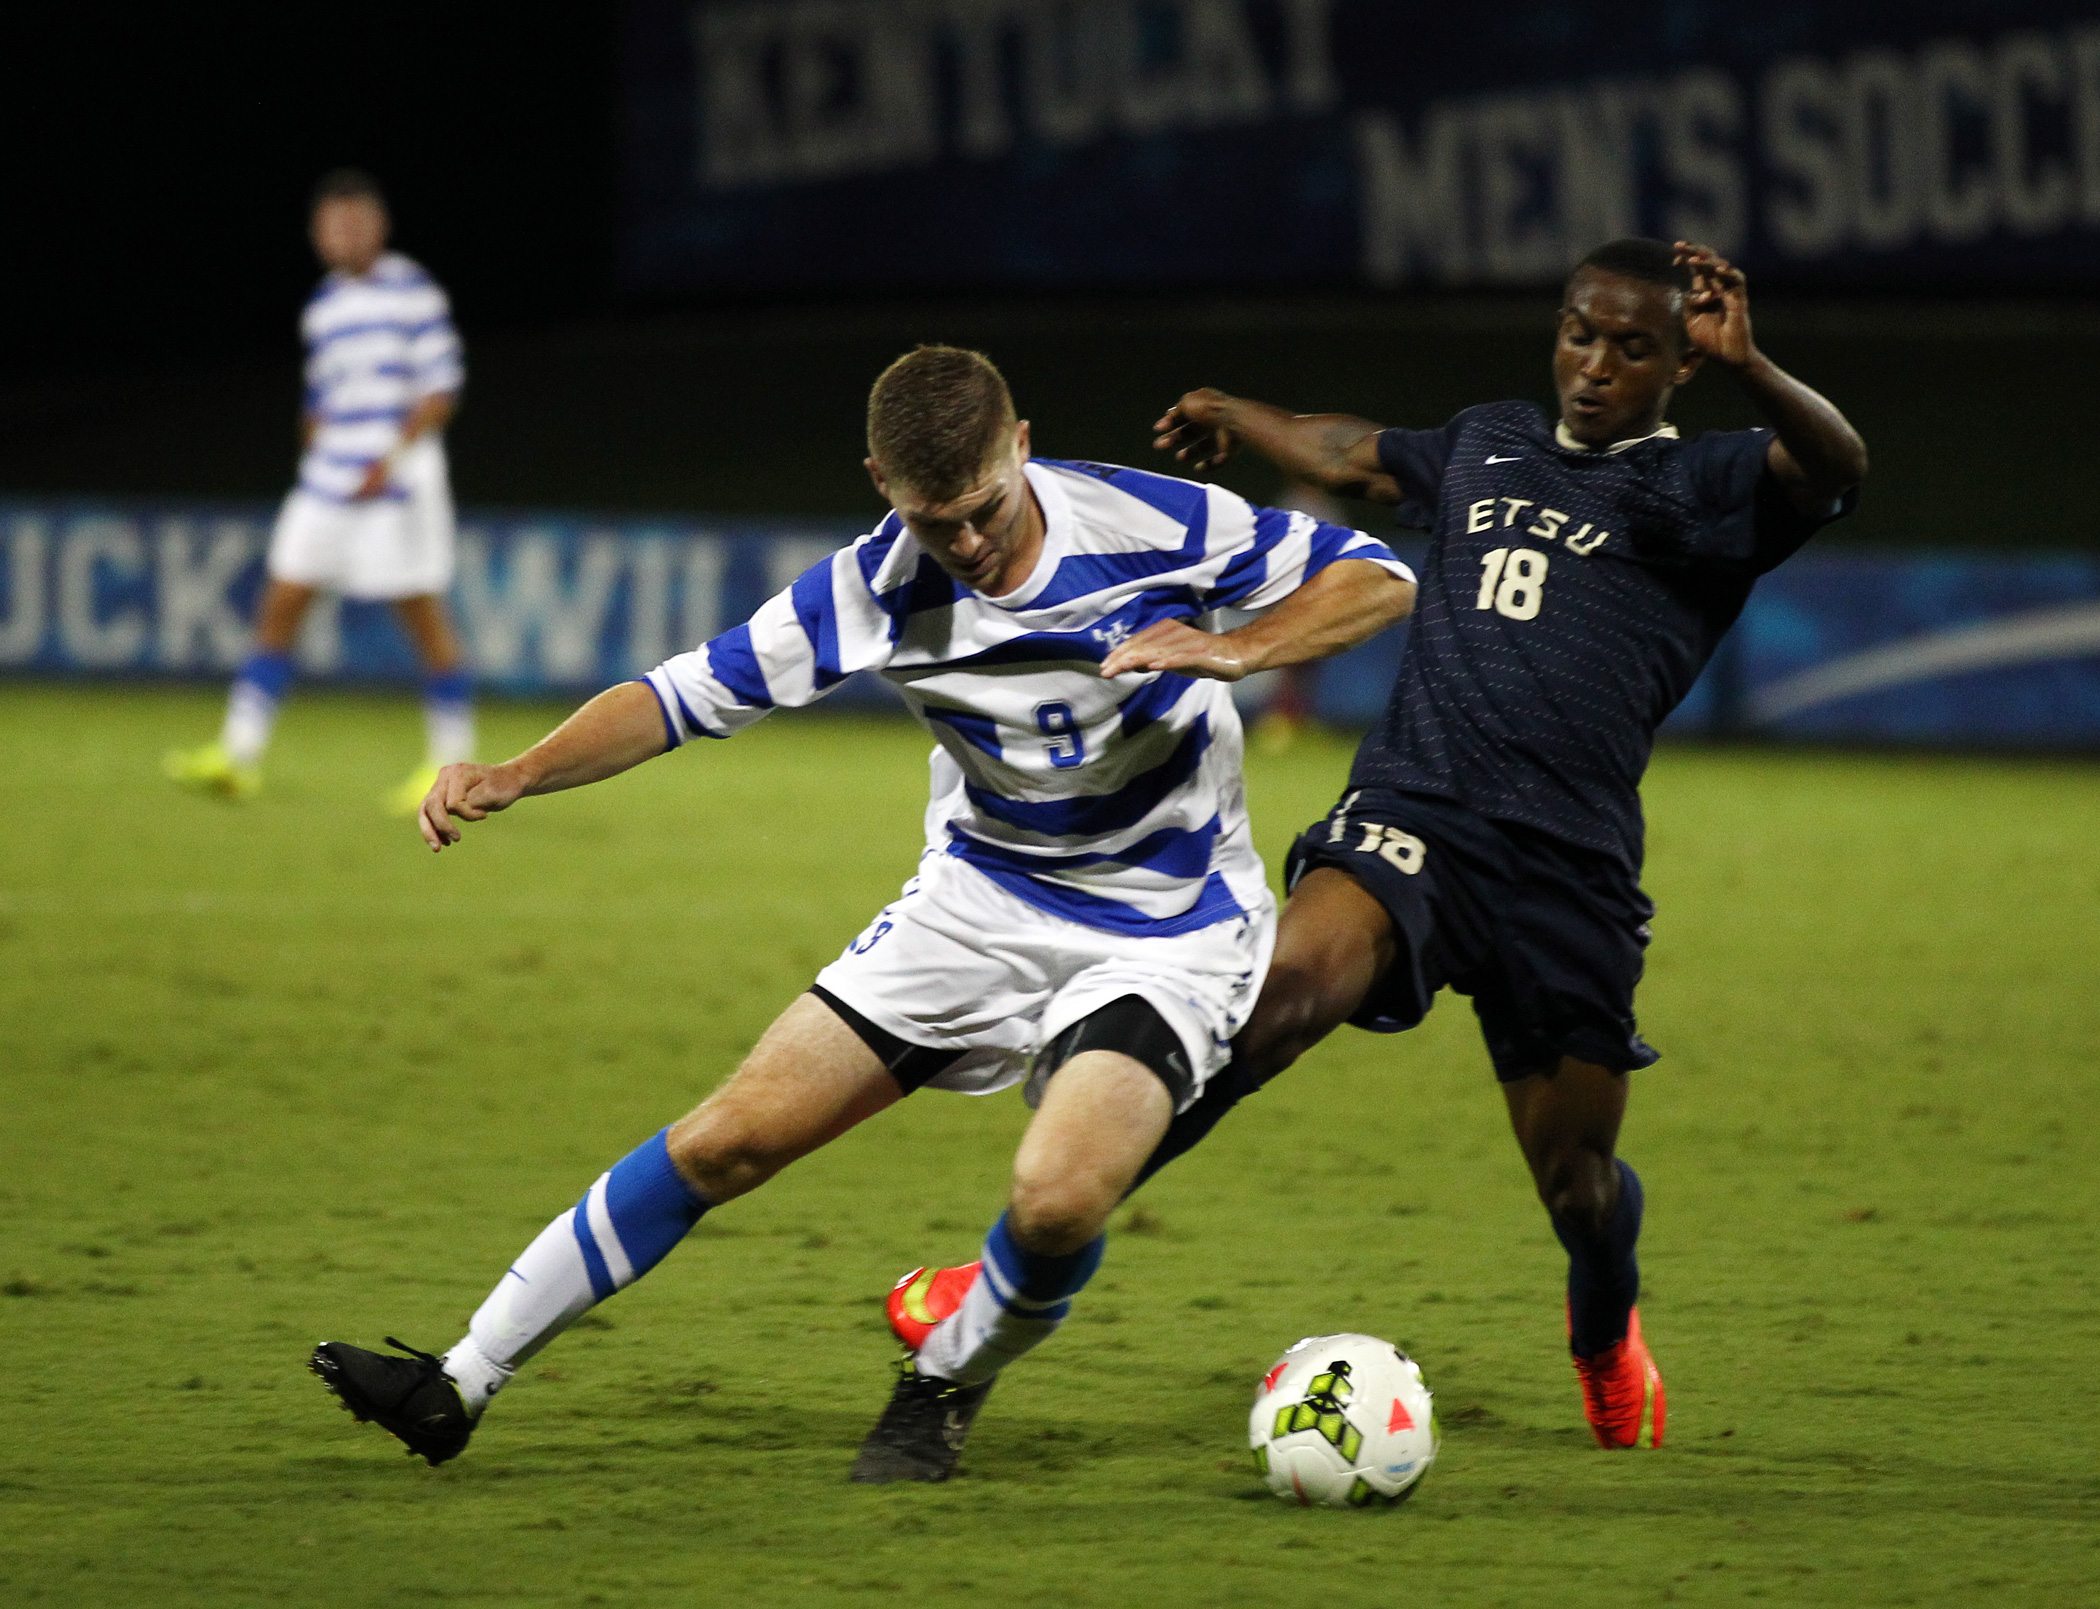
469 792
1196 429
1717 313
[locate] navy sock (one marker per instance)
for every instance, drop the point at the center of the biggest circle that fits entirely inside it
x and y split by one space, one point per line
1604 1279
1232 1085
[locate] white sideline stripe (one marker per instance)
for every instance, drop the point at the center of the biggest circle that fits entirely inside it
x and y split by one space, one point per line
602 1231
2062 632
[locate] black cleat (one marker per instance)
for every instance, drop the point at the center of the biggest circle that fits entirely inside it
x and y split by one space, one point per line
920 1434
412 1397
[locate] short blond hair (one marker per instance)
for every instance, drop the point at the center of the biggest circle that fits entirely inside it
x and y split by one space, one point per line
936 417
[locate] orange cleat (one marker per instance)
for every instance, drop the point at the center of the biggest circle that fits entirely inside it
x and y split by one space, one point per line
1622 1391
925 1296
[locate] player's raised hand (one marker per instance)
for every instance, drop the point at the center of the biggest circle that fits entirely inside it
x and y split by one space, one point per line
470 792
1194 430
1177 645
1717 313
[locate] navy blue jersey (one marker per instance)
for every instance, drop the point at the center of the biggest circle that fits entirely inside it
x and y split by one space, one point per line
1569 601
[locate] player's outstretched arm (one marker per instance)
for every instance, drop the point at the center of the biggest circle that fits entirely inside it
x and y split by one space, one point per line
1348 602
619 729
1818 456
1335 451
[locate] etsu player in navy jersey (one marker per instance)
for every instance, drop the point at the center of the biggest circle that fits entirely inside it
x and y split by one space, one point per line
1580 573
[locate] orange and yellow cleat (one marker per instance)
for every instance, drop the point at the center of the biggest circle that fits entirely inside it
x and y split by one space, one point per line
1622 1391
925 1296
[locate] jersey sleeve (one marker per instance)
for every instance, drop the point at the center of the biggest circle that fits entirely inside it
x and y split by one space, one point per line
1284 550
800 644
436 363
1417 459
1750 518
313 386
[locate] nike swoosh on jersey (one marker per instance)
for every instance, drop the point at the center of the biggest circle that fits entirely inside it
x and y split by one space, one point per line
1509 459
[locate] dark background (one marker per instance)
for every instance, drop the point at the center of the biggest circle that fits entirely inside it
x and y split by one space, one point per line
155 262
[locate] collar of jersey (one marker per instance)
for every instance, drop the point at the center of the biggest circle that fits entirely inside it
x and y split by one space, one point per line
1566 438
383 264
1057 522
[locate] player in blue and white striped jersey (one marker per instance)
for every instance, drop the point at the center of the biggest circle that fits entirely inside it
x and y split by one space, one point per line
371 515
1112 802
1089 912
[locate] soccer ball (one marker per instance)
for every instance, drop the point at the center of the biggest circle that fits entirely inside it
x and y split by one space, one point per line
1343 1421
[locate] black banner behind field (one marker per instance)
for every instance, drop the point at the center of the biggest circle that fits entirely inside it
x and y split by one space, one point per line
928 143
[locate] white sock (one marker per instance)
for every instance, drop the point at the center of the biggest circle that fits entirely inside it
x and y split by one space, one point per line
451 731
981 1337
250 714
547 1289
626 1223
476 1376
1015 1303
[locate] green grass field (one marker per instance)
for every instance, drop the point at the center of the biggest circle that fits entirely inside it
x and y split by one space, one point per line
275 1074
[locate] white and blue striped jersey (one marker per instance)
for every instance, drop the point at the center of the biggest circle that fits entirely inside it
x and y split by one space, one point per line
1113 803
376 344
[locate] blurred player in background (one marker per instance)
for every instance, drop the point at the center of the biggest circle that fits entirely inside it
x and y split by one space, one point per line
371 516
1089 914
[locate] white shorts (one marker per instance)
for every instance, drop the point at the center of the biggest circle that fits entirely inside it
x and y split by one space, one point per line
957 963
383 547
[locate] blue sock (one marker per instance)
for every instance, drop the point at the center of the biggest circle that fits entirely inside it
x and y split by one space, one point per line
448 715
626 1223
1018 1298
630 1219
251 706
1043 1286
270 674
454 686
1604 1279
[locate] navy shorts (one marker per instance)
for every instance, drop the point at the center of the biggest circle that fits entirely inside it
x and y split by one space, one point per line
1547 937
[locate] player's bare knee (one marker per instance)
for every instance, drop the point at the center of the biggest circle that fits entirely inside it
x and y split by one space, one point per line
1578 1187
722 1155
1055 1217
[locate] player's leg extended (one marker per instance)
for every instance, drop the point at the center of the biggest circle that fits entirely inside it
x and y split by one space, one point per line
1566 1119
1333 942
448 696
1102 1113
809 1079
232 766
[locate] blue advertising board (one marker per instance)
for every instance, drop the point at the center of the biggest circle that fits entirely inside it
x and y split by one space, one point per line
546 602
1837 644
927 143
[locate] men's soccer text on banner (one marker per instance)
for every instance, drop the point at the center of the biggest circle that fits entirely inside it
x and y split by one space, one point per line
1328 142
1839 644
